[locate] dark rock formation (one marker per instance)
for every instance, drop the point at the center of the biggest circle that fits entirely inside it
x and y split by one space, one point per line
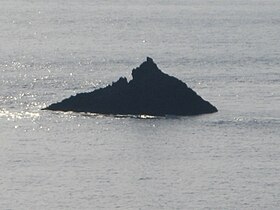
150 92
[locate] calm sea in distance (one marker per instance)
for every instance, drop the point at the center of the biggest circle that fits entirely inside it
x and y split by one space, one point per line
227 51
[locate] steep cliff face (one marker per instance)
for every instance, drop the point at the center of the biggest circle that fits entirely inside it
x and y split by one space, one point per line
150 92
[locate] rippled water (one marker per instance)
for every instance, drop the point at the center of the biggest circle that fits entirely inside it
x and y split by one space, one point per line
227 51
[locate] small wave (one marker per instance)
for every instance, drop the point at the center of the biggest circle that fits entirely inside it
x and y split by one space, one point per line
245 122
144 178
118 116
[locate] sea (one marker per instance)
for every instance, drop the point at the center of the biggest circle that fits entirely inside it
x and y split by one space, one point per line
227 51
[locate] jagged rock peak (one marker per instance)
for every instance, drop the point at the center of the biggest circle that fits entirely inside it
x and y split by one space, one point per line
145 70
121 82
148 64
150 60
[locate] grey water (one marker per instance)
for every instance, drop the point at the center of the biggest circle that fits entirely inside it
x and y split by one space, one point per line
227 51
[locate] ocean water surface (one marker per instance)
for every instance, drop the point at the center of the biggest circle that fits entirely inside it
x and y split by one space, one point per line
227 51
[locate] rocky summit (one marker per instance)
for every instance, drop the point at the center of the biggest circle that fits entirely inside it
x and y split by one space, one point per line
150 92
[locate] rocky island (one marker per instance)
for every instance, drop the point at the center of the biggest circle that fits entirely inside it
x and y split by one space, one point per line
150 92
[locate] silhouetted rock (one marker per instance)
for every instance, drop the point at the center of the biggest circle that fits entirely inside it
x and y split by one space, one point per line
150 92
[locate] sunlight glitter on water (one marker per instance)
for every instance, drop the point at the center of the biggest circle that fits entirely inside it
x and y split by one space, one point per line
18 115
